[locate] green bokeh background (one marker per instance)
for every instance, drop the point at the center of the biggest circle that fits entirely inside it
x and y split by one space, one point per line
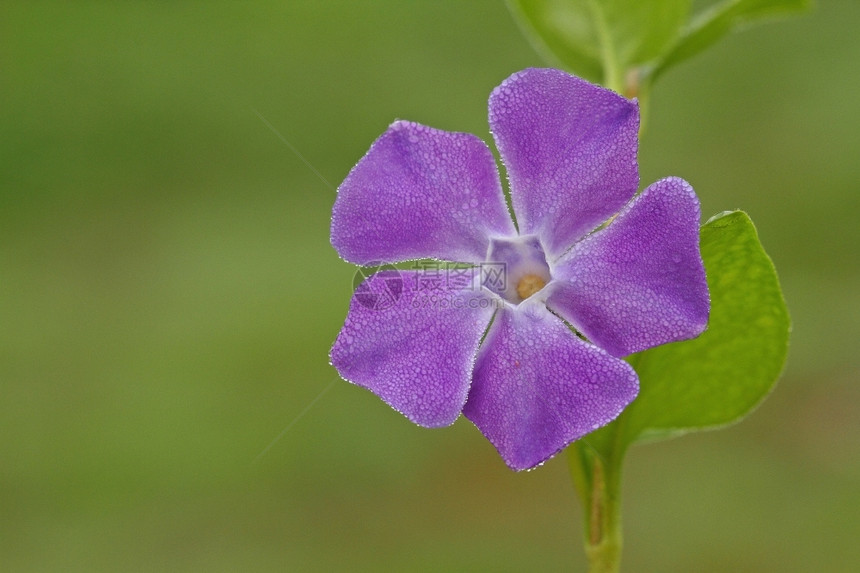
168 296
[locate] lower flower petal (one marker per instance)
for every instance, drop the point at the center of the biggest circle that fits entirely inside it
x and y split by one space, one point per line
537 387
640 282
413 344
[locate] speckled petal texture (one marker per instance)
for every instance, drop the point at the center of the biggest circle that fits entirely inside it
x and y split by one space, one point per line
537 387
639 282
416 355
420 193
570 151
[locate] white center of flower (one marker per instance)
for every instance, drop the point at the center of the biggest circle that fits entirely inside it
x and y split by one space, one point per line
515 268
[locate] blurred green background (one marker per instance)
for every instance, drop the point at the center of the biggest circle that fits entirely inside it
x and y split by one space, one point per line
168 296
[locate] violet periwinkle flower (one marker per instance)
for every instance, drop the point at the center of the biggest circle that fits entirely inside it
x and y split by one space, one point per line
533 360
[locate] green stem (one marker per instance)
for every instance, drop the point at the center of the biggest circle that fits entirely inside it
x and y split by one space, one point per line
631 82
612 72
598 482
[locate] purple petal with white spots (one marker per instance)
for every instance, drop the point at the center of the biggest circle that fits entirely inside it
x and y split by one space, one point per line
639 282
570 151
537 387
414 348
420 193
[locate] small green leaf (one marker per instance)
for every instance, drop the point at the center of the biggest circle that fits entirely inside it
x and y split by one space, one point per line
719 377
601 40
720 19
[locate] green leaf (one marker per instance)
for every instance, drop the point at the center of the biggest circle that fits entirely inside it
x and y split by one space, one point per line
601 40
720 19
721 376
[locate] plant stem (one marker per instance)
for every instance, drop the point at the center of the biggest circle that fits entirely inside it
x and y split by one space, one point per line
612 72
598 483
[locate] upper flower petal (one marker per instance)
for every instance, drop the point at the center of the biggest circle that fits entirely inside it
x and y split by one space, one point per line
420 193
570 151
411 347
639 282
537 387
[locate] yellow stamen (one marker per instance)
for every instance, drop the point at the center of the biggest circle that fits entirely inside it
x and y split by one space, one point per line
529 285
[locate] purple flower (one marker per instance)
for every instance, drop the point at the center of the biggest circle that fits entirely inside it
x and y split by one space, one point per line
529 346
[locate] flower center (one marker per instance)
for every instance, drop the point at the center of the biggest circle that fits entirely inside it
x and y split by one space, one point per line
529 285
515 268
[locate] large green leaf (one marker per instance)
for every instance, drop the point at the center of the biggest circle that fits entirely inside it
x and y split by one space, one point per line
720 19
602 39
719 377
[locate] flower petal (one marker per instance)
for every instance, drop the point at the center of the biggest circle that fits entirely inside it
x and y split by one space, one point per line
537 387
639 282
413 348
420 193
570 151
